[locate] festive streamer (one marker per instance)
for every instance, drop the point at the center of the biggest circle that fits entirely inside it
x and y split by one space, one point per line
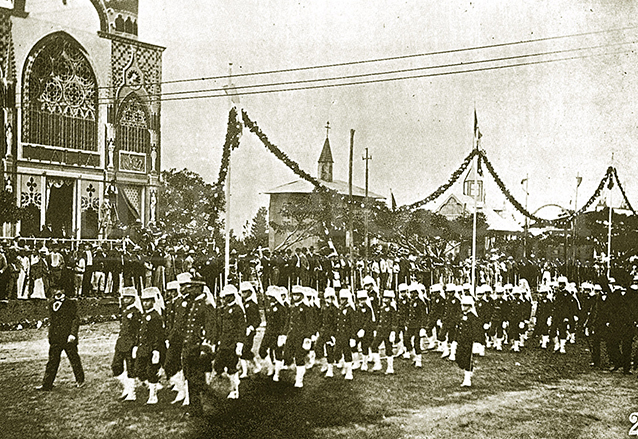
622 191
444 187
525 212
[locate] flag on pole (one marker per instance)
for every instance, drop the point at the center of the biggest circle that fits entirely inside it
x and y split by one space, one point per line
477 131
394 202
579 180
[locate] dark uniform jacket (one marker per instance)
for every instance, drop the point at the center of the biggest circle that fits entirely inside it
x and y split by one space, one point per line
365 319
64 320
346 323
277 319
417 314
129 329
300 323
200 326
329 321
253 317
178 318
231 326
151 334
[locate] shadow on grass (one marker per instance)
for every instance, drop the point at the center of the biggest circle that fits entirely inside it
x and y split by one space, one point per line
279 410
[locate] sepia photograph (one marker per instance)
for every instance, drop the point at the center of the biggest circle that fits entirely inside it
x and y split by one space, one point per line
368 219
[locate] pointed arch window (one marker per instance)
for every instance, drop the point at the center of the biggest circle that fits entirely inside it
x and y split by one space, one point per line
132 126
59 96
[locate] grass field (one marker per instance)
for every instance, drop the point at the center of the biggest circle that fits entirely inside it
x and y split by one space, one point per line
534 394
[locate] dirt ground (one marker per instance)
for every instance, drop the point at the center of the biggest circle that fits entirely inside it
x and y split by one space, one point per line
534 394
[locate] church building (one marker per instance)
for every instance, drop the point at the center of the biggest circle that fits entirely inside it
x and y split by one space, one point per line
81 106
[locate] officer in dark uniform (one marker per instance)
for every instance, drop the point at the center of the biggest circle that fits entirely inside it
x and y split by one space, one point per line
437 308
593 324
63 336
544 307
152 348
621 329
127 339
197 349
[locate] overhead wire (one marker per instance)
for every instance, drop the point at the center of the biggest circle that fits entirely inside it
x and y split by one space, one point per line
391 58
390 72
382 80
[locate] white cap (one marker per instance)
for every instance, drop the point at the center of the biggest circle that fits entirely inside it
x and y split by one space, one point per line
150 293
228 290
184 278
436 288
297 289
329 292
467 300
362 294
172 285
450 287
389 294
562 280
246 286
129 291
345 294
368 280
403 287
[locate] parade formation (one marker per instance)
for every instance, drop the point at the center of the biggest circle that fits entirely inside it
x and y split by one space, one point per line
179 332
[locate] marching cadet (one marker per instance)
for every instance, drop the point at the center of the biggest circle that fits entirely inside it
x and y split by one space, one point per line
417 314
314 309
272 345
498 324
151 347
593 323
179 309
197 349
365 323
451 319
63 336
544 309
468 334
253 321
127 340
517 318
403 308
562 315
345 337
298 341
325 345
434 322
232 336
386 332
483 307
172 291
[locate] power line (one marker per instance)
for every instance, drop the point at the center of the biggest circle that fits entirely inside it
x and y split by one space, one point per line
392 58
389 72
400 78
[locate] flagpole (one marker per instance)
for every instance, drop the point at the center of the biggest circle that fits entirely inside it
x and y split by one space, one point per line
475 190
227 225
609 231
526 219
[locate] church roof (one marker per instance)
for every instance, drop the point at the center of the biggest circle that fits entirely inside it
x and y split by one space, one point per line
304 187
326 153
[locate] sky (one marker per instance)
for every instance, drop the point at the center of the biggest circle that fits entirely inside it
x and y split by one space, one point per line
551 121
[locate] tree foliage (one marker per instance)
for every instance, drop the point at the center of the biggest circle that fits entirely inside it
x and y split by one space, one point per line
186 205
10 212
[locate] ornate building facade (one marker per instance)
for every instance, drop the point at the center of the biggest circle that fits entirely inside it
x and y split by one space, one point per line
81 114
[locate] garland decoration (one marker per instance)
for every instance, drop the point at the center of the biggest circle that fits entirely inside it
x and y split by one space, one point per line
444 187
622 191
523 211
233 134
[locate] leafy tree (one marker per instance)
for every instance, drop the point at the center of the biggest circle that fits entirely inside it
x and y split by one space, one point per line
257 236
9 210
186 206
